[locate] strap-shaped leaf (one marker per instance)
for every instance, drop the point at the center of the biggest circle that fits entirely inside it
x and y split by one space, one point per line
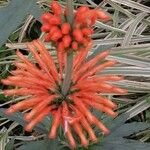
41 145
12 16
18 117
129 129
123 144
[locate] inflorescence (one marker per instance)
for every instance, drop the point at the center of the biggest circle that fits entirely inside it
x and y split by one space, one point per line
42 79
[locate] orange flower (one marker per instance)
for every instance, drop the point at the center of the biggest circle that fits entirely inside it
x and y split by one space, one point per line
42 82
58 30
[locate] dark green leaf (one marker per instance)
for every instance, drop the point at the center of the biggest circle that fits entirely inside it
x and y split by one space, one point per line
18 117
9 145
116 123
2 97
123 144
12 16
130 128
42 145
98 50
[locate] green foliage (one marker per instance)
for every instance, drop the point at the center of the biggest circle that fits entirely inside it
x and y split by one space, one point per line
18 117
43 145
10 145
127 35
119 131
12 16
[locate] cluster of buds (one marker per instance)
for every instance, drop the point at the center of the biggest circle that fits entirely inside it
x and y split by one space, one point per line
66 36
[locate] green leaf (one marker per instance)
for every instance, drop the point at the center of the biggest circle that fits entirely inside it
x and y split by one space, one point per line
128 129
119 130
3 138
18 117
131 3
12 16
122 144
132 29
116 123
9 145
42 145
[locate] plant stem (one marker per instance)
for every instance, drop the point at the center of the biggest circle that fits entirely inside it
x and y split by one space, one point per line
67 79
70 8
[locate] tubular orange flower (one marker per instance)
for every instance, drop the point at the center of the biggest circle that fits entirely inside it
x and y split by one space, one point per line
42 79
72 110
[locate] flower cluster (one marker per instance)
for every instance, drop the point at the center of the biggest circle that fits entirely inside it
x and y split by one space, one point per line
42 79
42 84
65 35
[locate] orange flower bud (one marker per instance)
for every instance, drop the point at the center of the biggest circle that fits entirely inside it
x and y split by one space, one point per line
56 36
87 31
45 17
55 20
65 28
102 15
47 37
66 40
53 29
81 10
46 27
78 35
60 47
74 45
56 8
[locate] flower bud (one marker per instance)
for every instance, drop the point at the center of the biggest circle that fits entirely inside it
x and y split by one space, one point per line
55 20
74 45
47 37
46 16
53 29
87 31
56 8
78 35
46 27
102 15
65 28
66 41
56 35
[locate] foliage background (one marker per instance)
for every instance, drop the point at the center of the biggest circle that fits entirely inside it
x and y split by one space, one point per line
127 35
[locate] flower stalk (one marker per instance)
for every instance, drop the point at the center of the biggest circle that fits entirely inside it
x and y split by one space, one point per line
67 79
